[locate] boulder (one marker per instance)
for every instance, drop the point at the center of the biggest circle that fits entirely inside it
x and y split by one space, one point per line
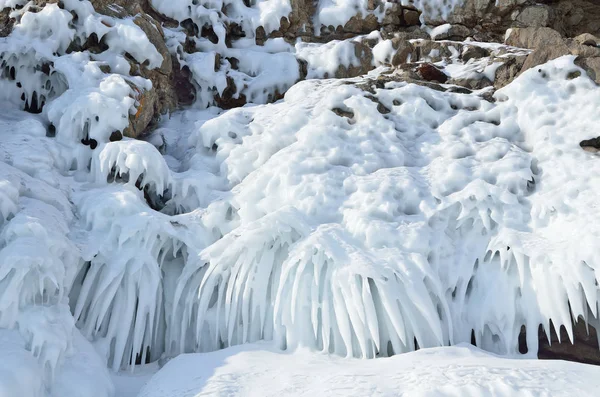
429 72
6 22
508 70
543 55
469 13
404 51
364 55
411 17
161 98
591 66
473 52
435 51
533 38
454 32
587 39
471 83
584 348
535 16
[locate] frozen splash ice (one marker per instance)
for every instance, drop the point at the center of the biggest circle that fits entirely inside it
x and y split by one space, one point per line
358 223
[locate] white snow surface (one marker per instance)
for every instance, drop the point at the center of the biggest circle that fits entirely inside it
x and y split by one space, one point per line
360 224
462 371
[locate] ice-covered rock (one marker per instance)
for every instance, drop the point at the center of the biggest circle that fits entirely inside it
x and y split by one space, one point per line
390 201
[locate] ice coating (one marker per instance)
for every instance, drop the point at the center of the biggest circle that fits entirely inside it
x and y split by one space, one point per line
358 223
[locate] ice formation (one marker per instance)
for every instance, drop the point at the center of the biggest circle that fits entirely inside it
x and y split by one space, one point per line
359 221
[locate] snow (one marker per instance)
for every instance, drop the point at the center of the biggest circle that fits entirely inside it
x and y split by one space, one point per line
352 222
439 30
324 59
257 370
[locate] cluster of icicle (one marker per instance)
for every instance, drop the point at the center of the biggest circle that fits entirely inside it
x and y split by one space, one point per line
357 233
367 254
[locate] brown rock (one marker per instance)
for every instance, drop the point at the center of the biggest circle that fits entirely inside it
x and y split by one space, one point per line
509 70
161 98
583 50
359 25
472 83
181 82
434 51
404 51
591 66
574 17
543 55
533 38
411 17
469 13
155 35
6 22
364 55
535 16
474 52
227 99
393 15
587 40
455 32
429 72
584 348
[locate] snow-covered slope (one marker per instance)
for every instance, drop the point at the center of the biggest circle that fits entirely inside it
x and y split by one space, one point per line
463 371
361 217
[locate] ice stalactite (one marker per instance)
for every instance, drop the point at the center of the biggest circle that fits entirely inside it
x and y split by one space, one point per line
363 218
336 297
226 295
120 300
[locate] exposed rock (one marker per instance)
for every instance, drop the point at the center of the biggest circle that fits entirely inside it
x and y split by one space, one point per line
535 16
404 51
591 66
411 33
434 51
470 13
543 55
455 32
364 54
504 7
509 70
181 82
393 15
429 72
493 17
533 38
584 349
228 99
472 83
575 17
411 17
359 25
582 50
587 40
6 22
155 35
161 98
474 52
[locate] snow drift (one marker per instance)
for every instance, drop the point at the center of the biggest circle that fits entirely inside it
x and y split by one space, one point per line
363 217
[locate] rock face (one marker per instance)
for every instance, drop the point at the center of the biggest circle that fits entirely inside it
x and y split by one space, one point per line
584 348
568 17
548 44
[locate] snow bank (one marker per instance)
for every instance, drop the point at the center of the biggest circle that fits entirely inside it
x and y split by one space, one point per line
256 370
39 261
324 59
